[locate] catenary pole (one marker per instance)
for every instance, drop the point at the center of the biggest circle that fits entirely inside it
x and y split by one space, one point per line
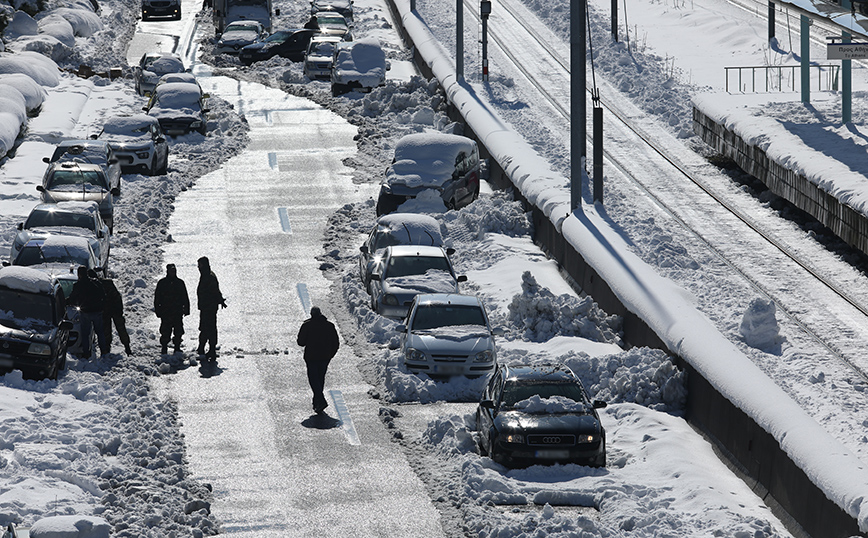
578 103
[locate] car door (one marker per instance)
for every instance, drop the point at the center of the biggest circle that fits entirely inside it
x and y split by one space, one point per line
161 146
485 418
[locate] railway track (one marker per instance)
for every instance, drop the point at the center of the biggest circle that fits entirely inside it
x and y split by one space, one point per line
794 307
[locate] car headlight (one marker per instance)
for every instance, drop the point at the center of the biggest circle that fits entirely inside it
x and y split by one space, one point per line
587 439
143 154
414 355
39 349
513 438
484 356
196 124
390 300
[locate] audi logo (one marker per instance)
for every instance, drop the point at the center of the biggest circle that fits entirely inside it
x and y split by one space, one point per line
551 440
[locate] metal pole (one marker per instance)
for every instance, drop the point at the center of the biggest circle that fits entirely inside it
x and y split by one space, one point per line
615 20
772 20
846 73
459 40
806 58
412 5
485 11
598 149
578 105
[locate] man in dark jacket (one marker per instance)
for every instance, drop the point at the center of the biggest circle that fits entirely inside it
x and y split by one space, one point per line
171 304
114 313
209 298
89 296
320 341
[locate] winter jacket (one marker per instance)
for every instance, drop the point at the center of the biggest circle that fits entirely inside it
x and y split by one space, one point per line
88 294
319 338
170 298
114 302
208 292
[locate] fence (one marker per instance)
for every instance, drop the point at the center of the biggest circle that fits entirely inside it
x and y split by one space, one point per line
781 78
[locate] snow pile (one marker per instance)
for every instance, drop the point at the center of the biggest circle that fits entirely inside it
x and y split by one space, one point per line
394 383
759 326
540 315
498 213
535 405
70 527
25 279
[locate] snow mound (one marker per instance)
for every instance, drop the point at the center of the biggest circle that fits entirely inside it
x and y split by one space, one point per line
41 69
34 94
759 326
70 527
536 405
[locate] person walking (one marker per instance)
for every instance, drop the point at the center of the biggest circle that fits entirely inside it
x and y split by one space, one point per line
209 298
113 312
318 337
171 304
89 296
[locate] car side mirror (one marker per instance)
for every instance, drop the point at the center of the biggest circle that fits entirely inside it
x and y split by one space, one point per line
65 325
46 159
388 65
486 404
115 191
94 137
206 110
401 328
363 249
6 264
462 278
599 404
40 188
376 276
20 225
450 251
112 161
206 96
498 331
145 108
160 139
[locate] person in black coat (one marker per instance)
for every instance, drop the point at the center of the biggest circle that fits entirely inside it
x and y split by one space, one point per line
209 299
171 304
114 313
89 296
318 337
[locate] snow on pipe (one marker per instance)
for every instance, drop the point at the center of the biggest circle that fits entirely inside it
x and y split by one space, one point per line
665 307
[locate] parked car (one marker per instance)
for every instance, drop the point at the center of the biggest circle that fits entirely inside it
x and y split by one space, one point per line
138 142
332 23
161 8
70 181
446 163
154 65
397 229
358 66
405 271
65 218
448 335
90 151
238 34
179 107
344 7
289 44
64 251
539 414
319 56
34 332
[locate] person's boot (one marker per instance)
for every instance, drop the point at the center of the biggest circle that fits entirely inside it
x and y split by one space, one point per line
127 349
177 349
164 349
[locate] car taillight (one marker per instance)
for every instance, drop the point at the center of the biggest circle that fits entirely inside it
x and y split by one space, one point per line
473 177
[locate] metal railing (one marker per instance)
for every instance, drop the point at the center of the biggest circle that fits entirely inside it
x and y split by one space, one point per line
781 78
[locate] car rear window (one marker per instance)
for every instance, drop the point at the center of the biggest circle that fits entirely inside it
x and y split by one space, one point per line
517 391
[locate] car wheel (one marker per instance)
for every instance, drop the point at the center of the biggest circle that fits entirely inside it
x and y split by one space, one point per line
152 169
165 166
451 205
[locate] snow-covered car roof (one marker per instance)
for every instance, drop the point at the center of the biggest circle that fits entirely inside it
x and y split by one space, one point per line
177 94
417 250
448 298
361 61
75 207
25 279
411 228
166 63
134 126
63 248
243 26
185 77
427 159
83 150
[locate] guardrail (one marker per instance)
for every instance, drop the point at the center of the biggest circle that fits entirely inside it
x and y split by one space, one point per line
782 78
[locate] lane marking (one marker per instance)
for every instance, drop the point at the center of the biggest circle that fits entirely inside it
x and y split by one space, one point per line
344 416
272 160
304 296
284 219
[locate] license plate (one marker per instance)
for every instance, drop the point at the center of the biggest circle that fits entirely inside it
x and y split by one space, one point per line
448 368
553 454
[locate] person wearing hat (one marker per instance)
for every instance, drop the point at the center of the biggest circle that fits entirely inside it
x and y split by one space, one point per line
89 296
209 298
171 304
318 337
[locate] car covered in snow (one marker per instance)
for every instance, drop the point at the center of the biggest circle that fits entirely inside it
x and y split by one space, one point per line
66 181
358 66
138 143
154 65
446 163
332 23
405 271
179 107
34 331
89 151
397 229
344 7
65 218
289 44
239 34
448 335
539 414
62 251
319 56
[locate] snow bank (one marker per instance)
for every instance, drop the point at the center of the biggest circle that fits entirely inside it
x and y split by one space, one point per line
41 69
25 279
70 527
34 94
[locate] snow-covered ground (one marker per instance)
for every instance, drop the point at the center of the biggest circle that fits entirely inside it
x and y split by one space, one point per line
97 442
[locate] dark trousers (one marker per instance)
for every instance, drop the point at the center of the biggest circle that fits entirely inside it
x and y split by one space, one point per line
208 332
120 323
316 372
168 325
92 322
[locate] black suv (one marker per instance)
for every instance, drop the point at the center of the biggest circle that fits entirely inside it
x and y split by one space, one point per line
33 330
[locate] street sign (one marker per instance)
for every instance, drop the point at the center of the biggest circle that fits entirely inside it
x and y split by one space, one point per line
846 51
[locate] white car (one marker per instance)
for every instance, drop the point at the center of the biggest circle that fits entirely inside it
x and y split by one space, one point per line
89 151
154 65
319 56
448 334
65 218
332 23
358 66
405 271
238 34
179 107
397 229
446 163
138 143
79 182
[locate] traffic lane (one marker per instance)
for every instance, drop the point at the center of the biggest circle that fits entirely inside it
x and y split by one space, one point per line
276 470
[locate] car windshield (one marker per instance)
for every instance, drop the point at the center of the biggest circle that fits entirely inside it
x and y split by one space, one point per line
323 48
42 219
415 265
278 37
242 27
38 254
432 316
330 20
516 391
84 178
22 310
78 154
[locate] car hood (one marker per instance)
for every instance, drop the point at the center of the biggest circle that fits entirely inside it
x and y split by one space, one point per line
176 114
41 233
518 421
431 282
102 196
464 340
33 331
127 143
235 37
